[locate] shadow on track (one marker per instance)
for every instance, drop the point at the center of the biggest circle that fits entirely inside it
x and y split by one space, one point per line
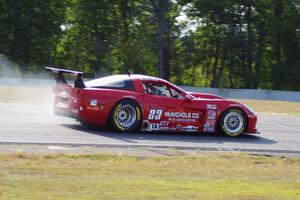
170 136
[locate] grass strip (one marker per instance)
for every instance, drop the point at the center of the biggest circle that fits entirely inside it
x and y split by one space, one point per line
205 176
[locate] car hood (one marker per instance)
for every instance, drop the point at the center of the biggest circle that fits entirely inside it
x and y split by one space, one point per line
205 95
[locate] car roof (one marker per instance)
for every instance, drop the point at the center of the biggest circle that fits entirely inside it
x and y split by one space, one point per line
125 76
145 77
120 77
134 77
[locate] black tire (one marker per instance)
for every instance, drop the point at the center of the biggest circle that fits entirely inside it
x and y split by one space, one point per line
233 122
126 116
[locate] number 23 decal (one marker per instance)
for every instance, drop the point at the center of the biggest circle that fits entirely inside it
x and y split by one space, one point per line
155 114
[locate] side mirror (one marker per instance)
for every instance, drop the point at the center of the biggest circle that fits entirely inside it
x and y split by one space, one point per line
188 98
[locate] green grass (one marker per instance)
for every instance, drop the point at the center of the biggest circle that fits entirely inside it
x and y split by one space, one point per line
205 176
279 107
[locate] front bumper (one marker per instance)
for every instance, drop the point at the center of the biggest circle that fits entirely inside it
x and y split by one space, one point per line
251 128
252 133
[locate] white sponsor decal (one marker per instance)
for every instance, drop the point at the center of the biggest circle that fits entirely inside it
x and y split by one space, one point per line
154 126
210 122
182 120
209 126
209 129
163 123
182 115
93 102
211 114
155 114
211 106
165 128
190 128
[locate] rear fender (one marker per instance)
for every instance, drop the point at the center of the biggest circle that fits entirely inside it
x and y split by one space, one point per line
124 99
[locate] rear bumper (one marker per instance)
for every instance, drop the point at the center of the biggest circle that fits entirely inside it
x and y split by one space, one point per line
66 114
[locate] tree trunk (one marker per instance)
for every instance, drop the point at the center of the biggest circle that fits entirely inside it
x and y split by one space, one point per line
98 51
160 10
222 65
207 67
125 35
259 56
230 66
248 74
276 71
98 36
216 56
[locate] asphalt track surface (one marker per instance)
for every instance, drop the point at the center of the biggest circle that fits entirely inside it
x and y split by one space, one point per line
35 124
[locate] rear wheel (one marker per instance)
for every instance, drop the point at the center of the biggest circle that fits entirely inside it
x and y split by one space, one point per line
233 122
126 116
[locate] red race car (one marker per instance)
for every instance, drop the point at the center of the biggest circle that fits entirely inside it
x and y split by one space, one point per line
134 102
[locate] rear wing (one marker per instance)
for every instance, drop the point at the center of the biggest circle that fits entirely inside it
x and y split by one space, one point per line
60 79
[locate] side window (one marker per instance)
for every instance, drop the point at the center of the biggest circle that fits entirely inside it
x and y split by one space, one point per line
156 89
160 90
176 94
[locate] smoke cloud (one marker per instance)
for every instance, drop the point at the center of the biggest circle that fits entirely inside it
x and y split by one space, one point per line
11 75
7 68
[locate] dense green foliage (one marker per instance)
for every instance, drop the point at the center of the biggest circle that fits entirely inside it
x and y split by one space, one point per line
232 43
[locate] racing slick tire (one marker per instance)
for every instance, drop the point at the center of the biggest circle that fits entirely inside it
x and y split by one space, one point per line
126 116
233 122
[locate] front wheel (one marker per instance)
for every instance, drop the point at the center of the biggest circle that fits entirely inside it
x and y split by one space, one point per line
126 116
233 122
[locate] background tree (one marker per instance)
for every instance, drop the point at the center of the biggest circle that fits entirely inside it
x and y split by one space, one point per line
30 31
232 43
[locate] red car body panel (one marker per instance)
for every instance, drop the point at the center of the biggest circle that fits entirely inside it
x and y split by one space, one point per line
196 112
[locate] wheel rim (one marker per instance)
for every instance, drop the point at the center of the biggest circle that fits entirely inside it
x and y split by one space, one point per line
233 122
126 116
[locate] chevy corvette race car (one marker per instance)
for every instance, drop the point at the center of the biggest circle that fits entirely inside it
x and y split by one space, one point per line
133 102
